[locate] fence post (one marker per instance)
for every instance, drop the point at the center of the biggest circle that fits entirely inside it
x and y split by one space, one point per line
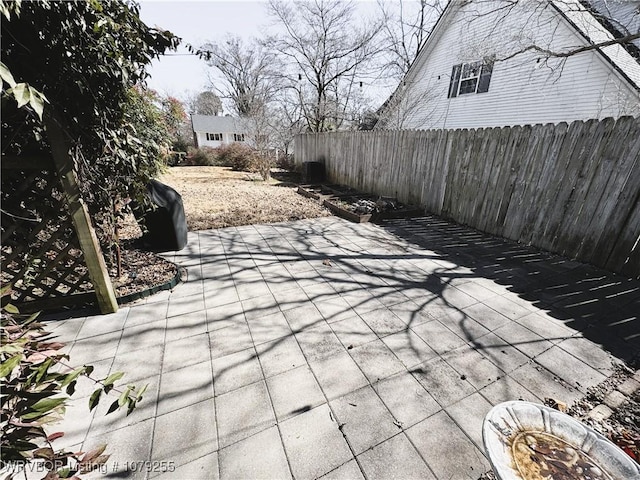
80 216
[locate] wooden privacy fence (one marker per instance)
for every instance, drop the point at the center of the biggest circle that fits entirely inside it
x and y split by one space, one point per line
569 189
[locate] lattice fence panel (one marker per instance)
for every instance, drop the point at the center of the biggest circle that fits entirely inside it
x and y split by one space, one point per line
40 254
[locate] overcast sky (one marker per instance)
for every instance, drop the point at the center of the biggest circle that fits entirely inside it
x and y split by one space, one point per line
197 22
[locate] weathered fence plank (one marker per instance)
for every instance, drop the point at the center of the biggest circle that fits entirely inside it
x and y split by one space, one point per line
497 169
618 197
589 193
527 163
566 239
541 205
518 147
571 189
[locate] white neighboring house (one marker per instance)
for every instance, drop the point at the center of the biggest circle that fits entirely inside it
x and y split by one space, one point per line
468 75
213 130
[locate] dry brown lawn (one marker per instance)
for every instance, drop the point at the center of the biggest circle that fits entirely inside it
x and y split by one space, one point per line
216 197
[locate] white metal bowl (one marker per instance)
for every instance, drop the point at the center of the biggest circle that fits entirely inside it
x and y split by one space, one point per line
507 420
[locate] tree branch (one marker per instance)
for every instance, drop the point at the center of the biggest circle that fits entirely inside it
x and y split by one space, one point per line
575 51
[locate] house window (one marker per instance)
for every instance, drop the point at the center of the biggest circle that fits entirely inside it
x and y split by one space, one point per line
214 137
470 78
238 137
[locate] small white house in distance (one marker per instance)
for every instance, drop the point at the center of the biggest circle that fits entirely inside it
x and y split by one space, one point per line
487 63
213 130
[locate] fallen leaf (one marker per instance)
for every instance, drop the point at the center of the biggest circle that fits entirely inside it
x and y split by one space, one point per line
557 404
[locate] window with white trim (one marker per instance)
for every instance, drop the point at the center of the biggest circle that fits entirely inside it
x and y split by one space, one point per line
238 137
214 137
470 78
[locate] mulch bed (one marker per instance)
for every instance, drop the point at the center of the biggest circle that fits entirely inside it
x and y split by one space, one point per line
623 427
142 271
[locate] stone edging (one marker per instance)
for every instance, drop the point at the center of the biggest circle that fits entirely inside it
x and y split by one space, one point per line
616 398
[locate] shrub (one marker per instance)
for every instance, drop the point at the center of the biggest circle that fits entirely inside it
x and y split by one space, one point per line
263 164
238 156
204 156
286 162
36 382
87 57
181 144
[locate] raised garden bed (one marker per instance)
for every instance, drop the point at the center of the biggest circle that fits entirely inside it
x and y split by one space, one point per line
358 207
317 192
342 190
368 208
348 207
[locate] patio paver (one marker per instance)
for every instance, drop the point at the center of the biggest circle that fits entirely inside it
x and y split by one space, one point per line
322 348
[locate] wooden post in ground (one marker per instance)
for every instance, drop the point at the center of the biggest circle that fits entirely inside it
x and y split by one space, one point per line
86 235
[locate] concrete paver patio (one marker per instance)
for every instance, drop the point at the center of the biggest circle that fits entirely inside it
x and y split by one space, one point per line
322 348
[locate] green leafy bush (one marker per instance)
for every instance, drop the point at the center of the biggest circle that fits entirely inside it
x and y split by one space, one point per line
87 57
36 381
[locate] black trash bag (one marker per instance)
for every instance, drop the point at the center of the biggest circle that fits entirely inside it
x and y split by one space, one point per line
166 225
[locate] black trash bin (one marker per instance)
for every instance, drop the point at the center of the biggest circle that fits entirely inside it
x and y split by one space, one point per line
166 225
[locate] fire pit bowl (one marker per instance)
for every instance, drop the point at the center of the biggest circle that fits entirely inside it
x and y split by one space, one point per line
527 441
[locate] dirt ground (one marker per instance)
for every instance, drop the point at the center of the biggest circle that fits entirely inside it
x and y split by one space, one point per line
217 197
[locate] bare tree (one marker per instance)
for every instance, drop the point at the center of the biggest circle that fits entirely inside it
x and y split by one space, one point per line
248 73
287 122
327 55
406 27
205 103
405 106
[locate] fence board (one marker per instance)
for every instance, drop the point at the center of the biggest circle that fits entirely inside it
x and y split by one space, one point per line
541 204
625 256
518 205
618 193
440 160
518 146
571 189
599 166
484 163
498 168
469 182
567 239
568 168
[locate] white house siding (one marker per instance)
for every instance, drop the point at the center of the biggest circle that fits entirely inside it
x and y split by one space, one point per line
524 89
203 142
227 126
